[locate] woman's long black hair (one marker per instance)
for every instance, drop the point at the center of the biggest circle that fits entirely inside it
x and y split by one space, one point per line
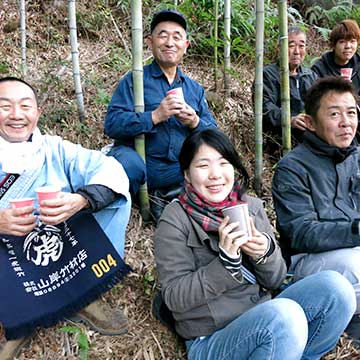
221 143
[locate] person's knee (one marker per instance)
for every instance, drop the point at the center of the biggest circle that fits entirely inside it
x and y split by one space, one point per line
350 266
343 261
289 313
333 285
133 164
289 324
136 170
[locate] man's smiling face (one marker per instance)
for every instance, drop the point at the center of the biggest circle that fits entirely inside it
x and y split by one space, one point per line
19 112
168 43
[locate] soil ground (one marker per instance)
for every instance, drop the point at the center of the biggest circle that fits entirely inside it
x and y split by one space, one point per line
104 38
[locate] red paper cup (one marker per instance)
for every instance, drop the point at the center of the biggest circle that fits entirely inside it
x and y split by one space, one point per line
346 73
47 193
240 213
177 91
19 203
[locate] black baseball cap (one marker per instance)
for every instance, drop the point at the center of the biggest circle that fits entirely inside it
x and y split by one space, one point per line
168 15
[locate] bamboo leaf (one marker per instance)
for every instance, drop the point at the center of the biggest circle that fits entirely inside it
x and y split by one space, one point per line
83 341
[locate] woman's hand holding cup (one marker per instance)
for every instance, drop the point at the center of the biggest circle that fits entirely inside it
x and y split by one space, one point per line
257 245
231 240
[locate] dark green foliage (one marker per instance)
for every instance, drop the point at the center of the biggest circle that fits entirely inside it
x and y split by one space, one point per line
102 97
4 67
200 17
82 340
325 19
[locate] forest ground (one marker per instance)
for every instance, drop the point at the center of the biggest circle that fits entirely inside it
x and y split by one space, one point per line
104 59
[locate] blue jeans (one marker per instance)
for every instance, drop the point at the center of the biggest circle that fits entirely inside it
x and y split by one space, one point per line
345 261
305 321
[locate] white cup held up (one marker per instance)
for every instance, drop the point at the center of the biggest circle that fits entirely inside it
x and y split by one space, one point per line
240 213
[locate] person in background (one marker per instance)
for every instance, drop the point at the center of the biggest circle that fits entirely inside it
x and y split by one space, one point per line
215 280
301 78
316 190
168 117
344 40
92 185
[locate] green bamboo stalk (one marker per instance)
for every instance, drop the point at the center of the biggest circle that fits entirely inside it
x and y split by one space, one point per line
216 38
23 37
75 59
138 84
259 4
284 77
227 45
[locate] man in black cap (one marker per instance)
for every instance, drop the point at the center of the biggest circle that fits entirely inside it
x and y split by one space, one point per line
175 105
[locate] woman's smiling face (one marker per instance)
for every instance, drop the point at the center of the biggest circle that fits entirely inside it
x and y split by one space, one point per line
210 174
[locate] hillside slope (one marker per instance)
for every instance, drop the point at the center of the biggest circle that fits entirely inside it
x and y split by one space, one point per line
104 42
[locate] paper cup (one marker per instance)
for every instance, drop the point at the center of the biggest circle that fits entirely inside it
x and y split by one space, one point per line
240 213
177 91
47 193
19 203
346 73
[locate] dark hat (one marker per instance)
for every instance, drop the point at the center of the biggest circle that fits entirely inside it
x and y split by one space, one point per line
168 15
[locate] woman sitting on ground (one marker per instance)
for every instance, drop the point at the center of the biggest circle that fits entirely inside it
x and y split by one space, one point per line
217 290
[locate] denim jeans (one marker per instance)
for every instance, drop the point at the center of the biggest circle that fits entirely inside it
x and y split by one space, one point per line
305 321
345 261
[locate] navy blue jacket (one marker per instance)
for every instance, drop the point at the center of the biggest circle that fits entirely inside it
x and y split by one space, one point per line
164 140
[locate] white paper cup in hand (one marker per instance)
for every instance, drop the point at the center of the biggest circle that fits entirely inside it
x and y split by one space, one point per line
240 213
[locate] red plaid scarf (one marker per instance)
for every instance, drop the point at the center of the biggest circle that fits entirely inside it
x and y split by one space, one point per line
206 213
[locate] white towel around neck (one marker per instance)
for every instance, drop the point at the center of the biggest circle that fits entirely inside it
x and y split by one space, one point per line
17 157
